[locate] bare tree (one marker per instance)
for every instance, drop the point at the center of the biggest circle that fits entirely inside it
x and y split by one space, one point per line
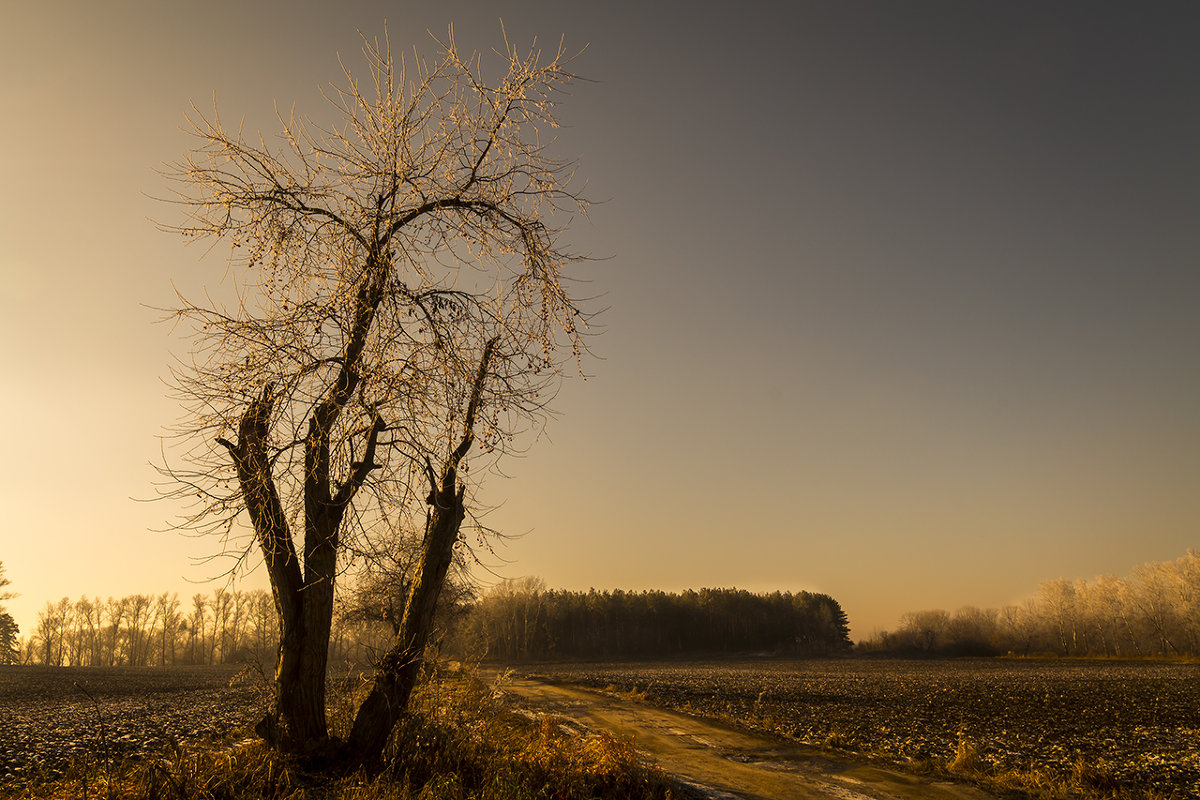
140 609
221 604
5 581
89 615
196 631
115 616
401 296
378 594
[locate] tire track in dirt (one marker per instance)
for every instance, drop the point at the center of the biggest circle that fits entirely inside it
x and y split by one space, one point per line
723 763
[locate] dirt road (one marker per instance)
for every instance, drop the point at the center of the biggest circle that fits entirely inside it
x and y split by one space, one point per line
727 764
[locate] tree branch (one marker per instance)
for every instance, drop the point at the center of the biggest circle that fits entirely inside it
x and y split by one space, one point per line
360 469
450 473
259 492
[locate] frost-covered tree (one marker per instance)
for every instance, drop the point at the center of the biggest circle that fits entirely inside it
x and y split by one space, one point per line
403 304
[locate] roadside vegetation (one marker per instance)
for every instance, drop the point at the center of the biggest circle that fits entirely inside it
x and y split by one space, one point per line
459 741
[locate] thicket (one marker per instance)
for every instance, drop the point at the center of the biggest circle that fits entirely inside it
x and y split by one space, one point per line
1154 612
523 621
153 630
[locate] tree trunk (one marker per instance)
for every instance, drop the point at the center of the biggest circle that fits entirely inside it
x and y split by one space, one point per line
297 724
293 723
304 603
401 665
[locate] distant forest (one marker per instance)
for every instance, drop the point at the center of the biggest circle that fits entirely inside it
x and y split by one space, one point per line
522 621
1153 613
515 621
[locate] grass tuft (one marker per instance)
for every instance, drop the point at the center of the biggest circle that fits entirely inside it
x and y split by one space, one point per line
835 741
967 760
1086 781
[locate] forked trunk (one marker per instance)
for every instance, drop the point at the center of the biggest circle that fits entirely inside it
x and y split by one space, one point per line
303 601
296 724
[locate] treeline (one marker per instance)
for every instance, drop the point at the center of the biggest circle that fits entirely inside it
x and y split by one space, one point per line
523 621
154 630
515 621
227 626
1152 613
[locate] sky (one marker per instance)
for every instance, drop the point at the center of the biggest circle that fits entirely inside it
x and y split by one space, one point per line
901 299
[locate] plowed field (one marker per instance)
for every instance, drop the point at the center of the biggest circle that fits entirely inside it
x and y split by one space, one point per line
1134 724
1137 724
48 717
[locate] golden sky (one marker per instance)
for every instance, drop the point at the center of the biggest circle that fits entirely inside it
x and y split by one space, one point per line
902 299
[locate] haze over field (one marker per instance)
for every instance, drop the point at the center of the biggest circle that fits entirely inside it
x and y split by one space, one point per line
902 300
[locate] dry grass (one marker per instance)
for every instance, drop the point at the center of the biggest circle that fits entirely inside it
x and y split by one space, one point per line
460 743
1087 781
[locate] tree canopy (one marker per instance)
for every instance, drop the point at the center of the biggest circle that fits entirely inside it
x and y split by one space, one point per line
375 260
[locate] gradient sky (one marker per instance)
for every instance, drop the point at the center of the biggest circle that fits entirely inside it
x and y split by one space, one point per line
903 297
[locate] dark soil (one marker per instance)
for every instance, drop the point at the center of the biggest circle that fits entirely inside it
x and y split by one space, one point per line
48 718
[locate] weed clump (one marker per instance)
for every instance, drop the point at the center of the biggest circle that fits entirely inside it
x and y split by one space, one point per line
967 759
1087 780
468 744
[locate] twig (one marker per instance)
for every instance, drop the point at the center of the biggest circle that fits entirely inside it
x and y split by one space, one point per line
103 741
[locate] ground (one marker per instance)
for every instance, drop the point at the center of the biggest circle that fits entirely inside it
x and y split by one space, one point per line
724 763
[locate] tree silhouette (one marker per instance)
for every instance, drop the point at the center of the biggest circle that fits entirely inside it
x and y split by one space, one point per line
9 632
402 299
